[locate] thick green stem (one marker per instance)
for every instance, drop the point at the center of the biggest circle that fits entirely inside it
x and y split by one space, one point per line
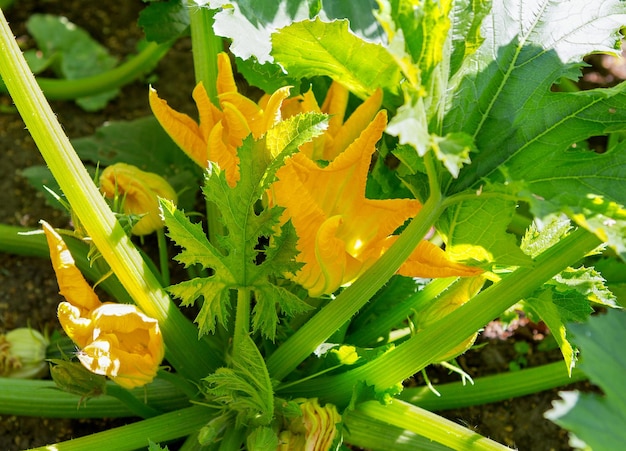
366 432
123 74
300 345
189 356
428 424
419 351
139 408
380 326
17 398
163 428
206 46
164 258
493 388
242 319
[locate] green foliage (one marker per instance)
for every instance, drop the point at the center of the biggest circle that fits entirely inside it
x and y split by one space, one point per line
244 388
250 23
313 47
72 53
156 447
243 261
567 297
524 130
598 420
475 229
164 21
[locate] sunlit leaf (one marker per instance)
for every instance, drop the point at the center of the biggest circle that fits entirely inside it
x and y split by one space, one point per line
598 420
475 229
314 47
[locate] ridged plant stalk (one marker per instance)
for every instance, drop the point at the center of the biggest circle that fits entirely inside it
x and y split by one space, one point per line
413 355
16 398
191 357
427 424
206 45
163 428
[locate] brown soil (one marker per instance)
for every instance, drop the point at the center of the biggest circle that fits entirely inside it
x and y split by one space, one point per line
28 290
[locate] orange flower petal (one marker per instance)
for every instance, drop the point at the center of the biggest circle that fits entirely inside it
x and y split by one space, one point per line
209 113
139 191
225 78
331 257
335 105
272 111
430 261
76 323
182 129
72 285
127 345
354 126
224 155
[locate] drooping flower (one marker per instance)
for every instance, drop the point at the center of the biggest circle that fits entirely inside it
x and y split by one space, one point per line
315 430
220 131
116 340
341 232
139 192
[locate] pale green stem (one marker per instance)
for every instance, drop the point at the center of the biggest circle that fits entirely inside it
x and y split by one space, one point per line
138 408
242 319
321 326
368 334
43 399
188 355
493 388
206 46
162 428
133 68
366 432
429 425
164 259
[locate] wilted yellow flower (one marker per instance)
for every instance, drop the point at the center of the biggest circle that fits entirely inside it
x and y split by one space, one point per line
315 430
220 131
341 233
116 340
139 192
23 354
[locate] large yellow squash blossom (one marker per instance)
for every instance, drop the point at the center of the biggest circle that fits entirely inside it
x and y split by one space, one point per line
341 233
115 340
140 192
220 131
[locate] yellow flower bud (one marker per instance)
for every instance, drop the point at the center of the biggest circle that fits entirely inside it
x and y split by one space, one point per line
139 192
23 354
315 430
